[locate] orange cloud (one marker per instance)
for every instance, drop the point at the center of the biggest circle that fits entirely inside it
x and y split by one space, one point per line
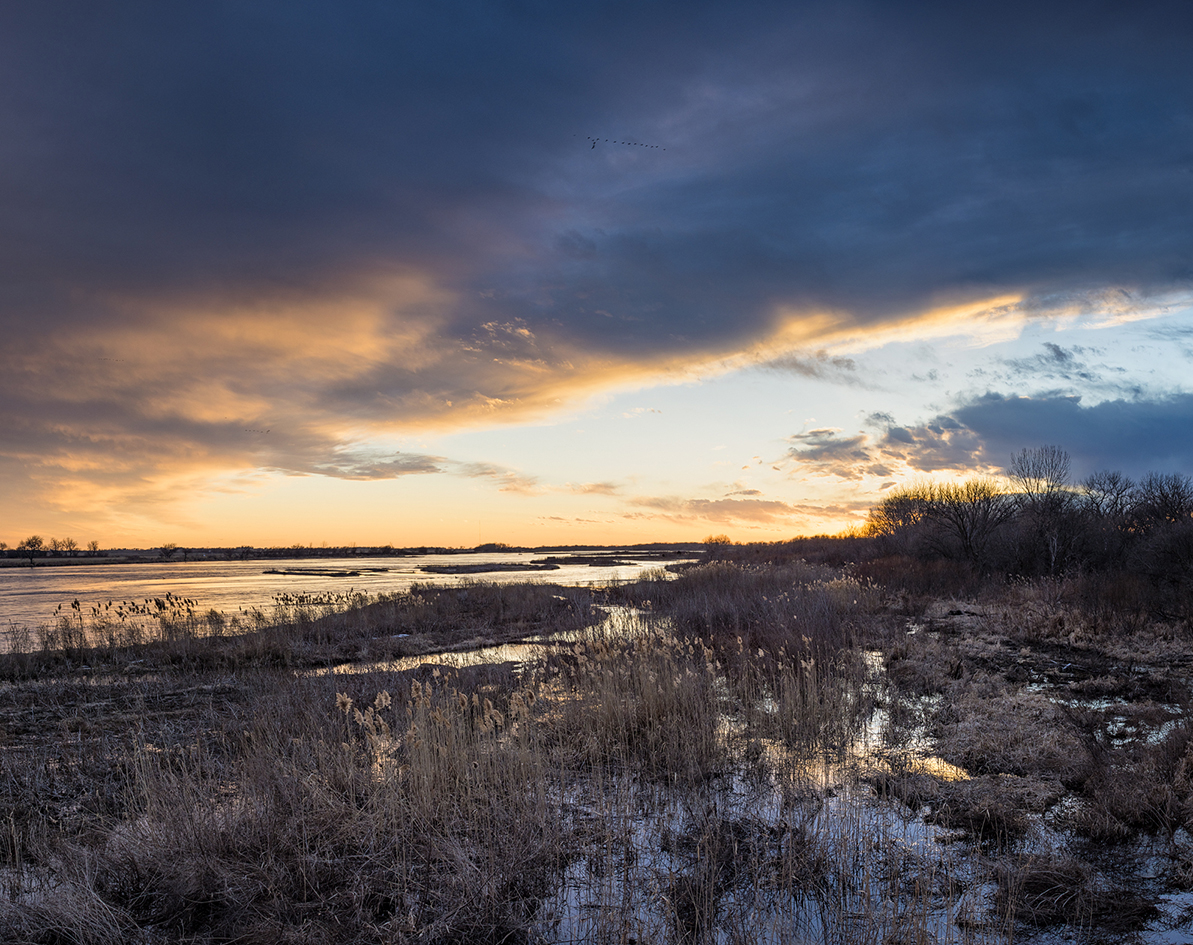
162 395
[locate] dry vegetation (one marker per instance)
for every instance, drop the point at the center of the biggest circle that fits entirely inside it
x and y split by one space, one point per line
753 751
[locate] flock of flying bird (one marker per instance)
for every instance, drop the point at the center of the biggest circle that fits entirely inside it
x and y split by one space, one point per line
635 144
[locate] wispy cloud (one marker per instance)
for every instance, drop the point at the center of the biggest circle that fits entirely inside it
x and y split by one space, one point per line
819 365
594 488
725 511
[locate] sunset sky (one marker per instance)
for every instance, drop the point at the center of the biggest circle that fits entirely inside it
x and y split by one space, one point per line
549 273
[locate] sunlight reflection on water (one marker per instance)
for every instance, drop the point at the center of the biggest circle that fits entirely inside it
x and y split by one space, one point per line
28 597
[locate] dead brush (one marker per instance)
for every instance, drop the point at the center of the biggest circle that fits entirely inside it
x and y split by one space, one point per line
1141 788
792 606
431 813
1049 890
469 607
301 630
75 913
425 807
719 854
1018 733
993 821
821 704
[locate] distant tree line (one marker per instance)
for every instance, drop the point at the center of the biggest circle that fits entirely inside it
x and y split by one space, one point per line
35 546
1038 521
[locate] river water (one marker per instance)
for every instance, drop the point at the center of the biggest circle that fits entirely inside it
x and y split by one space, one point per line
29 597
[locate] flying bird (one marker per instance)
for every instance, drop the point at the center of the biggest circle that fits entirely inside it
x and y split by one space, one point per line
630 144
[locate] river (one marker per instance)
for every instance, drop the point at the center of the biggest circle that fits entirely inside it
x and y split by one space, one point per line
29 596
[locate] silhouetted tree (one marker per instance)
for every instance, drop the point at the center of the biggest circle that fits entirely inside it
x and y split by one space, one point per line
902 517
1162 499
969 514
1106 498
1038 475
1048 528
1108 494
31 546
715 546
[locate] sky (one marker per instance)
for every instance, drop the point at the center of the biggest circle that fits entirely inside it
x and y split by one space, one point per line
548 273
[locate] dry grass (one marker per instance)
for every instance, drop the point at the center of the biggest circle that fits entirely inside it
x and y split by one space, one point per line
1049 890
300 631
427 806
686 772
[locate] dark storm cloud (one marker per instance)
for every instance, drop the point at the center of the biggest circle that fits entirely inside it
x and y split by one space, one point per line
162 160
1129 435
1134 436
865 157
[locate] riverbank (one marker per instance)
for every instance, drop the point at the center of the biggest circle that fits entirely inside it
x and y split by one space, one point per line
33 598
595 555
72 562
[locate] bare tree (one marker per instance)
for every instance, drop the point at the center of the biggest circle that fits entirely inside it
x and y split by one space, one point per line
93 547
1039 474
1108 494
168 550
971 513
70 546
1162 499
1048 531
56 545
1105 505
715 546
902 517
31 546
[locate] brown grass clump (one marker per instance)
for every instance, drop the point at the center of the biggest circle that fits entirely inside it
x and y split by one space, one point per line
1145 787
648 704
1049 890
992 819
335 823
1017 733
794 606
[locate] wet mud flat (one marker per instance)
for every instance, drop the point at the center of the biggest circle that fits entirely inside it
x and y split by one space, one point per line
664 764
1077 753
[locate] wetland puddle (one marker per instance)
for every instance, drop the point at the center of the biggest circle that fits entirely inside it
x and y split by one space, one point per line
842 847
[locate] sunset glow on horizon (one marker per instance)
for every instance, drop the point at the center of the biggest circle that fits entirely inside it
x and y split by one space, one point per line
298 274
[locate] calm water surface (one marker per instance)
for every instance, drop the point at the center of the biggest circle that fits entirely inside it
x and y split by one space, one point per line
28 597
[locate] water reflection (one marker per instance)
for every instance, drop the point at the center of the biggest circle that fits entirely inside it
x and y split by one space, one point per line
29 596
